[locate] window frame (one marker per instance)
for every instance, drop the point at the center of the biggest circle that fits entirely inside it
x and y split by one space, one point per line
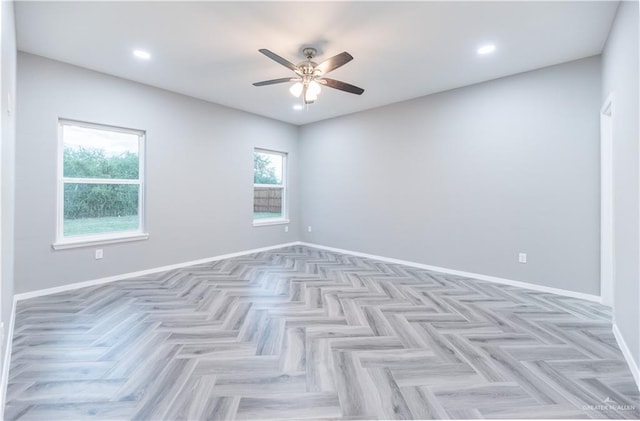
89 240
284 219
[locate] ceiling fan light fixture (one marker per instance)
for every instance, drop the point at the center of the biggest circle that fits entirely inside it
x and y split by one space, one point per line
310 97
314 88
296 89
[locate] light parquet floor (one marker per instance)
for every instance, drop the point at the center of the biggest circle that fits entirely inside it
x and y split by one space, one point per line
305 333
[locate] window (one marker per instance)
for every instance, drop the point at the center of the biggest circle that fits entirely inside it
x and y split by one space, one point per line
269 187
100 184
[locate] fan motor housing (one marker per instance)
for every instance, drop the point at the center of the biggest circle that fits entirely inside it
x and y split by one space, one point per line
307 67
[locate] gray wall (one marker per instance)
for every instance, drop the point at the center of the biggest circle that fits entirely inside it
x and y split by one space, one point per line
620 76
199 173
468 178
7 165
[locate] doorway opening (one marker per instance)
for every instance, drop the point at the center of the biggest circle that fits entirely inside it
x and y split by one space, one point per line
607 266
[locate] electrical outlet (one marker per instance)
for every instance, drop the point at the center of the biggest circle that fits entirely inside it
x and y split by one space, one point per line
522 257
309 228
99 254
286 228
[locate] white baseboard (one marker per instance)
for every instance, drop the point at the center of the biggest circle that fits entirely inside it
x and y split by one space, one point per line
69 287
627 354
7 359
479 276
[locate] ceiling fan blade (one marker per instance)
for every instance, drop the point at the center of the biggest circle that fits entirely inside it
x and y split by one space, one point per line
273 56
274 81
342 86
334 62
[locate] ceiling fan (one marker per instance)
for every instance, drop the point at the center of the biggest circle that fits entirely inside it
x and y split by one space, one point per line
310 76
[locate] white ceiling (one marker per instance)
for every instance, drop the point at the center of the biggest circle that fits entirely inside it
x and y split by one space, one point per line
401 50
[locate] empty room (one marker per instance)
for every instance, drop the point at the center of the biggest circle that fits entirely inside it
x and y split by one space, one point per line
273 210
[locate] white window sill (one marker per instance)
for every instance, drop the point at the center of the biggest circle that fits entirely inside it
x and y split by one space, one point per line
97 241
266 222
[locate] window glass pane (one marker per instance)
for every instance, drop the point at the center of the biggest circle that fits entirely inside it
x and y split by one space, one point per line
267 168
267 202
100 208
95 153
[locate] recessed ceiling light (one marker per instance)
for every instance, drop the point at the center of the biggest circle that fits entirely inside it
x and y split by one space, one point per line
487 49
142 54
298 107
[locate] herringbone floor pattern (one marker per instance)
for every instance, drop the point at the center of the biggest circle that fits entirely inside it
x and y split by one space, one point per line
304 333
